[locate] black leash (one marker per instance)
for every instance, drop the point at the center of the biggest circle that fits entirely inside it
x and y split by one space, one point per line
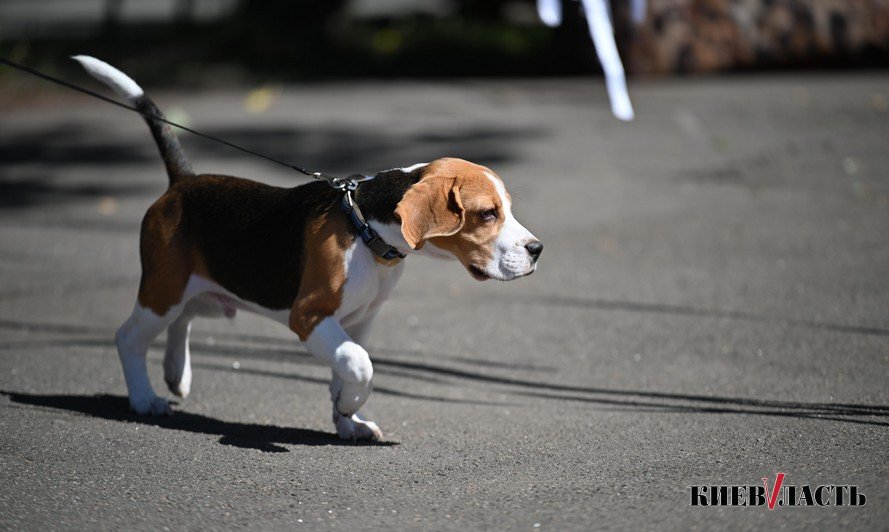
347 185
335 182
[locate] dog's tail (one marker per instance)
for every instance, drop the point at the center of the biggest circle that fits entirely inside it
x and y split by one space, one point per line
171 152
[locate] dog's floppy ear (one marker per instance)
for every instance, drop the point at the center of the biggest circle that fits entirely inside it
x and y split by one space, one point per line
430 208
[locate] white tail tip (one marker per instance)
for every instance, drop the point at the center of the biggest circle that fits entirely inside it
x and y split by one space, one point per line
107 74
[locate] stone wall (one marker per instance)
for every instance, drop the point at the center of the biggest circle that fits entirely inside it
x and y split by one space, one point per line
714 35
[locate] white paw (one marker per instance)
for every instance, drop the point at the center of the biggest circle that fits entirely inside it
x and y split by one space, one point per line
155 406
356 429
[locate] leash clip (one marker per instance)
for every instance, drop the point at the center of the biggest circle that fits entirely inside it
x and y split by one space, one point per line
384 252
345 184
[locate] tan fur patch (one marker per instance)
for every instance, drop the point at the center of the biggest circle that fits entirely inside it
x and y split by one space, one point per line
324 275
430 208
451 190
167 258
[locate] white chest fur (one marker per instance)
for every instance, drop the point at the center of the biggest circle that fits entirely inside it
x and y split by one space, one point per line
368 284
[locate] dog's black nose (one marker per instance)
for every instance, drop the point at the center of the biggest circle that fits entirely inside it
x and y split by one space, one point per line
534 248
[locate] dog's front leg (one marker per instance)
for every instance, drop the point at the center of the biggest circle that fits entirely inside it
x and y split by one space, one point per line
351 384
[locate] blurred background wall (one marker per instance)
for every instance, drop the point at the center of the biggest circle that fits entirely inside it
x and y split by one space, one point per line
712 35
202 42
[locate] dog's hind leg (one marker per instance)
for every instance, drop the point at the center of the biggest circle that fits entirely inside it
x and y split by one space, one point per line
133 339
177 359
167 285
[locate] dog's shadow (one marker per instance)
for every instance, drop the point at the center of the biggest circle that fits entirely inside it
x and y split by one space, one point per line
266 438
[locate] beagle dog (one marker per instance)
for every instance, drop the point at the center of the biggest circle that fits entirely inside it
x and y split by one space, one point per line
308 257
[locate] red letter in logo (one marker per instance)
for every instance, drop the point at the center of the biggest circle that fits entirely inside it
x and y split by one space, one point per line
773 495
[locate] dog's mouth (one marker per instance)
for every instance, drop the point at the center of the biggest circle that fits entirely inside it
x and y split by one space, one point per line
477 273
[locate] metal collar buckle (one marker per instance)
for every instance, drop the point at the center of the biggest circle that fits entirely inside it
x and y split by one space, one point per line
346 184
385 252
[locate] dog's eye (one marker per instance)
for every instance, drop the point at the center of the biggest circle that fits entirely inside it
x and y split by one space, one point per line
489 215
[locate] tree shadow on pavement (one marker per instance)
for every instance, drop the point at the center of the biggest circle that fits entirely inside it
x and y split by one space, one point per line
395 362
72 143
285 354
264 438
33 189
35 163
667 402
692 312
366 149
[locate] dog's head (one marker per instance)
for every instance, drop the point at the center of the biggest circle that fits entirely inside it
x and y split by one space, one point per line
464 209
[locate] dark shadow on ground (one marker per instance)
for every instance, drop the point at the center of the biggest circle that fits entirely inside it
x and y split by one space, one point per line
72 143
630 400
846 413
625 400
662 401
32 164
290 356
376 389
34 189
367 150
679 310
266 438
269 349
70 223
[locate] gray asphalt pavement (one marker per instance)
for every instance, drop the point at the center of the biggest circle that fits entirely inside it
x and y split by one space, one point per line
712 307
